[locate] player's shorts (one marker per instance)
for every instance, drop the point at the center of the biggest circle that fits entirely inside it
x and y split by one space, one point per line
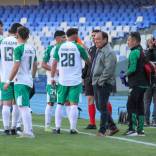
7 95
71 93
22 94
88 88
51 93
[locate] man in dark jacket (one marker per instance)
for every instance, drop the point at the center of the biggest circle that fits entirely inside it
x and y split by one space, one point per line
137 83
151 91
103 78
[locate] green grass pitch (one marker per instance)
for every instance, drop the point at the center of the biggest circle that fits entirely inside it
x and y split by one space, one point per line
65 144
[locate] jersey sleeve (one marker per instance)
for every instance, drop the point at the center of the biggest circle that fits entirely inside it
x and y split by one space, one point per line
133 59
56 52
83 52
18 52
46 56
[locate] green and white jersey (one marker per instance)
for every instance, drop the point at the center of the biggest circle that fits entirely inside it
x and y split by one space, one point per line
6 48
48 58
26 55
69 55
1 39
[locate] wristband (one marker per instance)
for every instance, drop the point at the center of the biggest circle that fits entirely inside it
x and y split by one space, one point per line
52 78
8 81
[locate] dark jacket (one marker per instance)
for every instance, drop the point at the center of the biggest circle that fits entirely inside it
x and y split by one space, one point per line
136 73
87 69
151 54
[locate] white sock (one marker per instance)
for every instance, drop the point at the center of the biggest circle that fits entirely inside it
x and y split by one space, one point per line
26 119
58 116
15 114
68 112
48 115
6 116
19 119
73 116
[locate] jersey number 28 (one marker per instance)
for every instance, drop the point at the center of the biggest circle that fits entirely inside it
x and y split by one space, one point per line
67 60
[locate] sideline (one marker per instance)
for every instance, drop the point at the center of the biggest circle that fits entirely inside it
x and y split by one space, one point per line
111 137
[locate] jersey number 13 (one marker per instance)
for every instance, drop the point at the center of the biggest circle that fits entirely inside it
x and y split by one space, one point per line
9 53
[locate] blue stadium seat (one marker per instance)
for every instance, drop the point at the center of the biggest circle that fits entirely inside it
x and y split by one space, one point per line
97 13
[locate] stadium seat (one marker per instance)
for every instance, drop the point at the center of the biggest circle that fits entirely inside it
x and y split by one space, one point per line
113 17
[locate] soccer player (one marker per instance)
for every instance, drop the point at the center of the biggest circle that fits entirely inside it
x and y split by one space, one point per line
1 30
68 57
24 69
1 38
6 47
59 37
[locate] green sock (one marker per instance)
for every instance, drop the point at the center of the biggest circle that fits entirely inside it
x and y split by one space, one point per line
134 121
141 123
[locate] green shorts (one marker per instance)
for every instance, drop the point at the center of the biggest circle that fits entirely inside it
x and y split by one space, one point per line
8 94
22 93
71 93
51 93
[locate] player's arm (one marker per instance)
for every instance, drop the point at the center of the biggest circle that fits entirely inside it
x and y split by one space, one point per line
14 70
54 63
34 69
12 75
54 68
46 58
46 66
84 55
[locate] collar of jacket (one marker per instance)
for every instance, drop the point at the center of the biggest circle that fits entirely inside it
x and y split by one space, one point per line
137 47
106 46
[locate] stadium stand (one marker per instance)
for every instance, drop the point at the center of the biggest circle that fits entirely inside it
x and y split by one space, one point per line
116 17
113 17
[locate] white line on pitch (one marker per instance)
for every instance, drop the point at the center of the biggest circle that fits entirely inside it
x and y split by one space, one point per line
112 137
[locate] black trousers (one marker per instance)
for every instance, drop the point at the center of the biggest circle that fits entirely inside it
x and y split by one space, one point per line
150 95
135 103
101 95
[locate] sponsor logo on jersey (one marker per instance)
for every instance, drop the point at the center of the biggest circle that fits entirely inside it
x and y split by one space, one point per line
68 49
10 43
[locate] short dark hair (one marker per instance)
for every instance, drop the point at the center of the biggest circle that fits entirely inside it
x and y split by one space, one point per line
1 23
59 33
14 27
136 36
23 32
72 31
95 30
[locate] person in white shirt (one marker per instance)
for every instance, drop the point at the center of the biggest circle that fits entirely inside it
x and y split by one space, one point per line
7 46
68 56
23 71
